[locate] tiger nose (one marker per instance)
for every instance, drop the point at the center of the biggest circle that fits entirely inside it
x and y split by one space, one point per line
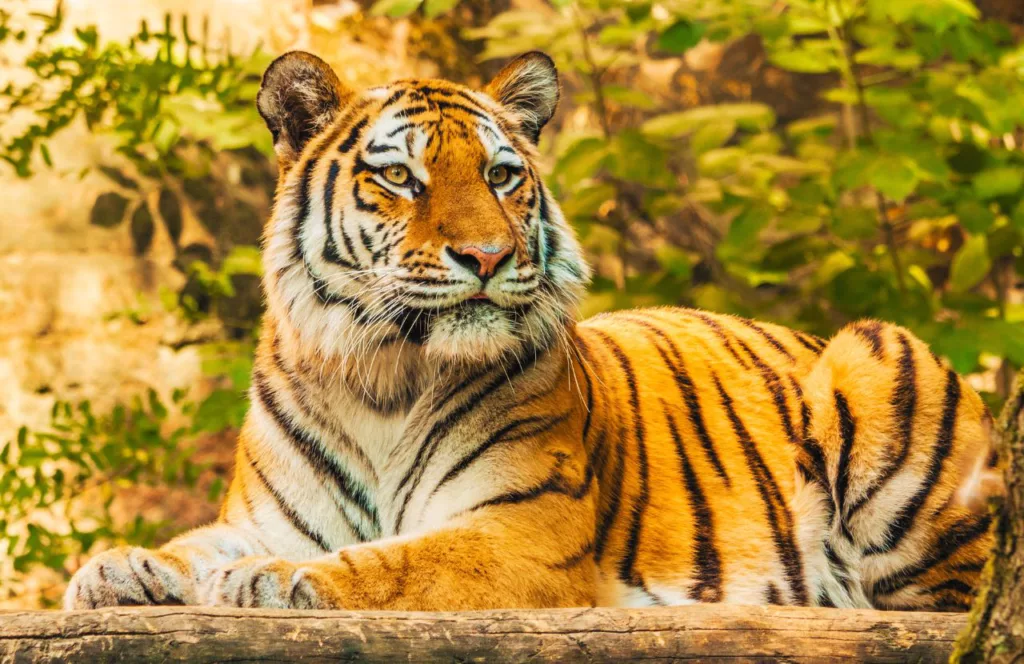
483 261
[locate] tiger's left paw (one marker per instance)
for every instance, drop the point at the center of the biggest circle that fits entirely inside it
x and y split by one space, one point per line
269 583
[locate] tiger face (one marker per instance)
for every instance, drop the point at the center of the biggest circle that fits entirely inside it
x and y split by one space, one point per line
413 214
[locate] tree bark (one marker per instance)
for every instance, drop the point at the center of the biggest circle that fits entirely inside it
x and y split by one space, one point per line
702 632
995 631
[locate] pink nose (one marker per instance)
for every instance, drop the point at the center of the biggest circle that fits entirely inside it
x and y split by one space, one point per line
484 261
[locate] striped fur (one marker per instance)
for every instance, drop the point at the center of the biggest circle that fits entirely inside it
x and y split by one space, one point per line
413 445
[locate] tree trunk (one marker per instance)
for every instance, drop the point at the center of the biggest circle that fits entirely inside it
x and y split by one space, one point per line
995 631
719 633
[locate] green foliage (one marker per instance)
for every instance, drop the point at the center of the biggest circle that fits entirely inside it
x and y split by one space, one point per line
58 486
146 93
83 459
903 200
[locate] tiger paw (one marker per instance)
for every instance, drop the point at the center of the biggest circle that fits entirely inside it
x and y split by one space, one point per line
270 583
131 576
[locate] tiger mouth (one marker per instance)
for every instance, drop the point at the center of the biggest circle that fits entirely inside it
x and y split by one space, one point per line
415 322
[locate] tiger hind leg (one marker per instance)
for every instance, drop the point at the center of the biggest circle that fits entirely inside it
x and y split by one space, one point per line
900 449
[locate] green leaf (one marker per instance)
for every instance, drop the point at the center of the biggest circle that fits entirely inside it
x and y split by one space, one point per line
434 8
805 61
712 135
394 8
721 162
586 201
751 117
745 230
637 159
970 265
974 216
894 177
681 36
631 97
675 261
834 264
581 161
996 182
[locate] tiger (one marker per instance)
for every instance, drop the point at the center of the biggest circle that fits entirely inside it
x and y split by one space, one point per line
432 428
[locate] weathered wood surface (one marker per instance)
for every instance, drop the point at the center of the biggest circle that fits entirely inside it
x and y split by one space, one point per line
996 634
694 633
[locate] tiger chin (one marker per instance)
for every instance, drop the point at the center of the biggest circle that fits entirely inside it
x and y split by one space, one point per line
432 429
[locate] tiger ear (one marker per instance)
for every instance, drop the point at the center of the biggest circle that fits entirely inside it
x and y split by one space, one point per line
528 86
300 95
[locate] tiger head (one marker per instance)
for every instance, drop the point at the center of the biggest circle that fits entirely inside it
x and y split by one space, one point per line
414 214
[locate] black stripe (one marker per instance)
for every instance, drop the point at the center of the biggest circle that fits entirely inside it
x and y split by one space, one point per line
586 551
810 445
400 128
410 112
838 568
719 331
145 589
708 585
614 491
393 99
353 136
689 393
581 349
451 92
627 573
515 187
551 244
330 252
367 241
779 518
301 396
300 220
903 403
328 298
775 389
514 431
904 520
364 206
556 484
450 105
317 456
772 595
871 332
960 534
373 148
297 521
810 342
772 341
952 585
847 432
304 184
438 431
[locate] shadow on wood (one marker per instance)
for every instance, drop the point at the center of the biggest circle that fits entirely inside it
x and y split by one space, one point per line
700 632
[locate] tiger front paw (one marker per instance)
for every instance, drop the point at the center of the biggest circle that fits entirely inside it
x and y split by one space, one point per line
131 576
270 583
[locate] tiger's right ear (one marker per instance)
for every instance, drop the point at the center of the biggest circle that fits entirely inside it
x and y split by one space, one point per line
299 97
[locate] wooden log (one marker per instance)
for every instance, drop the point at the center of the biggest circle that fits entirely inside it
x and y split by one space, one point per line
996 630
693 633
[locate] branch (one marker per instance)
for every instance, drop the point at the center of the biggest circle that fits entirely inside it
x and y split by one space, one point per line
726 633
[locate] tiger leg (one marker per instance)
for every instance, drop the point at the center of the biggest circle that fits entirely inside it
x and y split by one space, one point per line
898 443
519 548
133 576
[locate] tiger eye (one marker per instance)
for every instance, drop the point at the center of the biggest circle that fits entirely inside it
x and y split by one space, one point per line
498 175
396 174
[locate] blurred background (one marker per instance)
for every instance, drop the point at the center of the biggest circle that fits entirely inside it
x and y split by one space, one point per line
807 162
